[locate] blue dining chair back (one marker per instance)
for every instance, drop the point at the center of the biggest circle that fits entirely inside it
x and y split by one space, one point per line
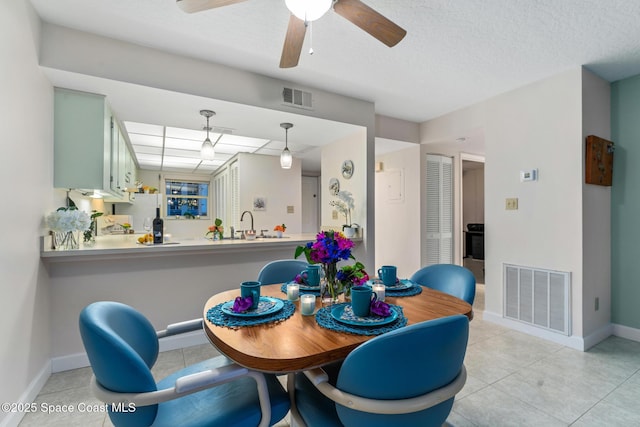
122 347
406 363
449 278
281 271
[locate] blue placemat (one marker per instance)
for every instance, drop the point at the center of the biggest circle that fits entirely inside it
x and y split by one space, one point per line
324 319
216 316
414 290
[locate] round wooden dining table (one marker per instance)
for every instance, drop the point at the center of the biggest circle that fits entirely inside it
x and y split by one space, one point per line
299 343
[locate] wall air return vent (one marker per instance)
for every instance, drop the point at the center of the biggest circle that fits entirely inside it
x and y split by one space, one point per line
538 297
297 98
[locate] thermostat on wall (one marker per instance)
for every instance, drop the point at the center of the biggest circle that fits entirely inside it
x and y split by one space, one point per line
529 175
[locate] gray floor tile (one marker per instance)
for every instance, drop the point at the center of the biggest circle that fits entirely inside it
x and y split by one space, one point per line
68 379
199 353
491 408
168 362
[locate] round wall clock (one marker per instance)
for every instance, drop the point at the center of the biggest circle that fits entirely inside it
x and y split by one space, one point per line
347 169
334 186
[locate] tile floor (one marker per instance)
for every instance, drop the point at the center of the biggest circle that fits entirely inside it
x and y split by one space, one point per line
513 380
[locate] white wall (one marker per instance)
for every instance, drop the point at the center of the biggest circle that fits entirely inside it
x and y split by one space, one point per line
596 213
26 166
353 148
262 176
536 126
398 220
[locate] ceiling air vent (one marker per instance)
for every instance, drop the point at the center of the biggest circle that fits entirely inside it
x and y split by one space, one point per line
296 98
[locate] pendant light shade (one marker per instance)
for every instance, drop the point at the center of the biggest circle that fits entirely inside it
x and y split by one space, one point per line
308 10
286 159
206 151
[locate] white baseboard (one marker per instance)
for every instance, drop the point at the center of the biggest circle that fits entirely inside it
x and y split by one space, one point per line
578 343
627 332
80 360
598 336
29 395
568 341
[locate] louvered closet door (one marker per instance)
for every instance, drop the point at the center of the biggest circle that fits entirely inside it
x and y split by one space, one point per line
220 187
438 245
234 185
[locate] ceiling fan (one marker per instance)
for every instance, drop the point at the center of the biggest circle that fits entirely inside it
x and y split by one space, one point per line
353 10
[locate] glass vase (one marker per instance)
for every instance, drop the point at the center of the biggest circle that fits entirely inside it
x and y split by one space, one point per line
331 287
66 240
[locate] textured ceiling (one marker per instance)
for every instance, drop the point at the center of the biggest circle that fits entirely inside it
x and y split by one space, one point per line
456 53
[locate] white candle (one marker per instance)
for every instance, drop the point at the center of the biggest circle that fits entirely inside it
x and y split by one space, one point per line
379 290
293 289
307 304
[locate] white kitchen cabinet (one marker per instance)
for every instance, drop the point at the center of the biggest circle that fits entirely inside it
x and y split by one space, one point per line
90 151
82 141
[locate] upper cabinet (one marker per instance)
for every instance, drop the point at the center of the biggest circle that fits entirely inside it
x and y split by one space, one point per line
90 151
82 141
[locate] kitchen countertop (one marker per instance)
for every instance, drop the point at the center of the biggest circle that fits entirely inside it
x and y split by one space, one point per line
126 246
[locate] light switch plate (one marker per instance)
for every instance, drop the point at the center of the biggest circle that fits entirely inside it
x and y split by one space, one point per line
334 214
511 204
289 209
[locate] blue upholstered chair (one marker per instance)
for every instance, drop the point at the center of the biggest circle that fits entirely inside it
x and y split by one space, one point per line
448 278
280 271
122 347
407 377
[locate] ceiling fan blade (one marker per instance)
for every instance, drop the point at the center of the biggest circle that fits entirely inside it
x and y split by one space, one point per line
191 6
371 21
293 43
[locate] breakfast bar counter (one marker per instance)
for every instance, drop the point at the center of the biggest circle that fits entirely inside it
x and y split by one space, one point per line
168 283
127 246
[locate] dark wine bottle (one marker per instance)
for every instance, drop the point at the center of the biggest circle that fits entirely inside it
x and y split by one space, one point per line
158 228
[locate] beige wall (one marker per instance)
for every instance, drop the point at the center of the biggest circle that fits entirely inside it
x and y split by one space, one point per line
596 214
26 152
262 176
536 126
353 148
398 219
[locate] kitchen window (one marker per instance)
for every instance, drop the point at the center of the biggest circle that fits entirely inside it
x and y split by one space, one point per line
187 199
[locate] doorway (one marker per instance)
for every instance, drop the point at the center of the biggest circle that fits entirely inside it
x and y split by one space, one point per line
472 217
310 204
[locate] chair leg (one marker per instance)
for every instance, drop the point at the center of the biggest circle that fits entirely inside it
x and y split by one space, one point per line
296 419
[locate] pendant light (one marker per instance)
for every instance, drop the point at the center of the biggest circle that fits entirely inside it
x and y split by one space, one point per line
285 158
206 151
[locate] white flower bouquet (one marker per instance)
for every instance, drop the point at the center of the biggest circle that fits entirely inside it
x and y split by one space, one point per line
66 223
344 205
68 219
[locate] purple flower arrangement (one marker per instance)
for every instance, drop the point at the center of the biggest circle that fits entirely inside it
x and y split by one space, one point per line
328 248
240 305
380 308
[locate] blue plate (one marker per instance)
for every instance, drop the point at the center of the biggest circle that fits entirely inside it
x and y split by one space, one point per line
401 285
267 305
344 314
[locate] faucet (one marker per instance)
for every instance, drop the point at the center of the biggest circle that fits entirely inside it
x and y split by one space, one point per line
251 215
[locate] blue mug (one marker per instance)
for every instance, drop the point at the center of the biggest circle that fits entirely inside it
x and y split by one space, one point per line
251 289
313 275
361 297
388 274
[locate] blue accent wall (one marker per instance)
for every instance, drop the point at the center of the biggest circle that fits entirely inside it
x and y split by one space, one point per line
625 203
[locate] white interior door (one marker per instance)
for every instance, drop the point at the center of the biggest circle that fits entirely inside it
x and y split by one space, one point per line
310 204
438 242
